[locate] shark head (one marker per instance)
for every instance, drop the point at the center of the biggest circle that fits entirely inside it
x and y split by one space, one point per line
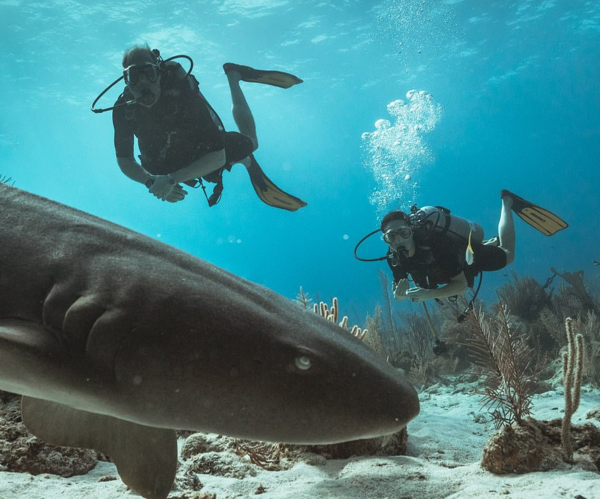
268 370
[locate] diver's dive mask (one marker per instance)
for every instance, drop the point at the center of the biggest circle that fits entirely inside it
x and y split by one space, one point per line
132 73
396 236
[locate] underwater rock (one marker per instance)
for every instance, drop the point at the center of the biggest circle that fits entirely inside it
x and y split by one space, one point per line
200 443
187 480
193 495
519 449
224 456
594 414
22 452
221 464
253 455
536 446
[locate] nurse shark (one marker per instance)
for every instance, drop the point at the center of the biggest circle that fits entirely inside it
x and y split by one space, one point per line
116 341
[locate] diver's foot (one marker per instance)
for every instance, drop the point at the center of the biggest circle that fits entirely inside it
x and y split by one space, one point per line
507 198
275 78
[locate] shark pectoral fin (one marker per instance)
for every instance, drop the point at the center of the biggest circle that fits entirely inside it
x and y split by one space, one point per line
145 457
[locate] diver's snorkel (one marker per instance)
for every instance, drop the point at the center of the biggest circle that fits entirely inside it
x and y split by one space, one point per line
144 96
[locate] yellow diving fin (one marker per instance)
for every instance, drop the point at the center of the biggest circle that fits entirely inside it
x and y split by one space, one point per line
268 192
275 78
539 218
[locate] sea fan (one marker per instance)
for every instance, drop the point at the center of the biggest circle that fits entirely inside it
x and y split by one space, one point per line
505 358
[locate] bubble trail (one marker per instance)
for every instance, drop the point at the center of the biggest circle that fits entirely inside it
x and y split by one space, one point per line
396 151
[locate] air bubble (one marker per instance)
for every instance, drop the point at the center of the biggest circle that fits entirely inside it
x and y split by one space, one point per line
382 124
396 150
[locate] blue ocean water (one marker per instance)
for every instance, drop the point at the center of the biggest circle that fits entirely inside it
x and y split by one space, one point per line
500 95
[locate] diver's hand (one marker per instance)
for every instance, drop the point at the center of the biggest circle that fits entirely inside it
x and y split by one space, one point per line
162 186
400 289
178 194
420 294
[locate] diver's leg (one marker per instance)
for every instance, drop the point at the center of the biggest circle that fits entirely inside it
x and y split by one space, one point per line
241 111
506 230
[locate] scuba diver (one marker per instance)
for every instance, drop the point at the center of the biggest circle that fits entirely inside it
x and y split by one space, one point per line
443 253
181 138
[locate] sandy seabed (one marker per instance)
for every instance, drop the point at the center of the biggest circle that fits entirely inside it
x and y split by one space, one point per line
444 453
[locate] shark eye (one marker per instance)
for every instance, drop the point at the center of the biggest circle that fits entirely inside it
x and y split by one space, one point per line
303 362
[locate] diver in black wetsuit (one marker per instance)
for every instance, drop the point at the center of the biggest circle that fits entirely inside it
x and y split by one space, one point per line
443 253
180 137
437 260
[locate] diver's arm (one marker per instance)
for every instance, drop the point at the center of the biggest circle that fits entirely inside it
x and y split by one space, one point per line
456 286
132 169
203 166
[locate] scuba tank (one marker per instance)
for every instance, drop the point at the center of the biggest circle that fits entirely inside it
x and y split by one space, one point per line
435 219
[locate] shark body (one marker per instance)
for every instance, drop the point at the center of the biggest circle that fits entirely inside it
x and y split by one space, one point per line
116 340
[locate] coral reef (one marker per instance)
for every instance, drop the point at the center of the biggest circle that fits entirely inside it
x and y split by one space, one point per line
572 375
332 315
192 495
537 446
236 458
519 448
221 464
527 445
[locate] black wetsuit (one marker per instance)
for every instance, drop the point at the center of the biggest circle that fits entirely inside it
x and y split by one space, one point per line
440 258
179 129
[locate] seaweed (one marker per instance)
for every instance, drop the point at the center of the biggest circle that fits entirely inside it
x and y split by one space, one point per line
578 289
506 359
303 299
525 297
374 339
4 179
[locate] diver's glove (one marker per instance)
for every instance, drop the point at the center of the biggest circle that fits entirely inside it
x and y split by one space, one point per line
400 289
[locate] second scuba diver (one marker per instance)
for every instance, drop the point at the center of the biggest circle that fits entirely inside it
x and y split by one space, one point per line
180 137
443 253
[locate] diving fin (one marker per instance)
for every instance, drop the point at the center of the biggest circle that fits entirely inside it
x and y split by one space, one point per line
275 78
268 192
539 218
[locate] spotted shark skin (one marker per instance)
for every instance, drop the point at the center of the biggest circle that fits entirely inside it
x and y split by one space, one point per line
116 340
